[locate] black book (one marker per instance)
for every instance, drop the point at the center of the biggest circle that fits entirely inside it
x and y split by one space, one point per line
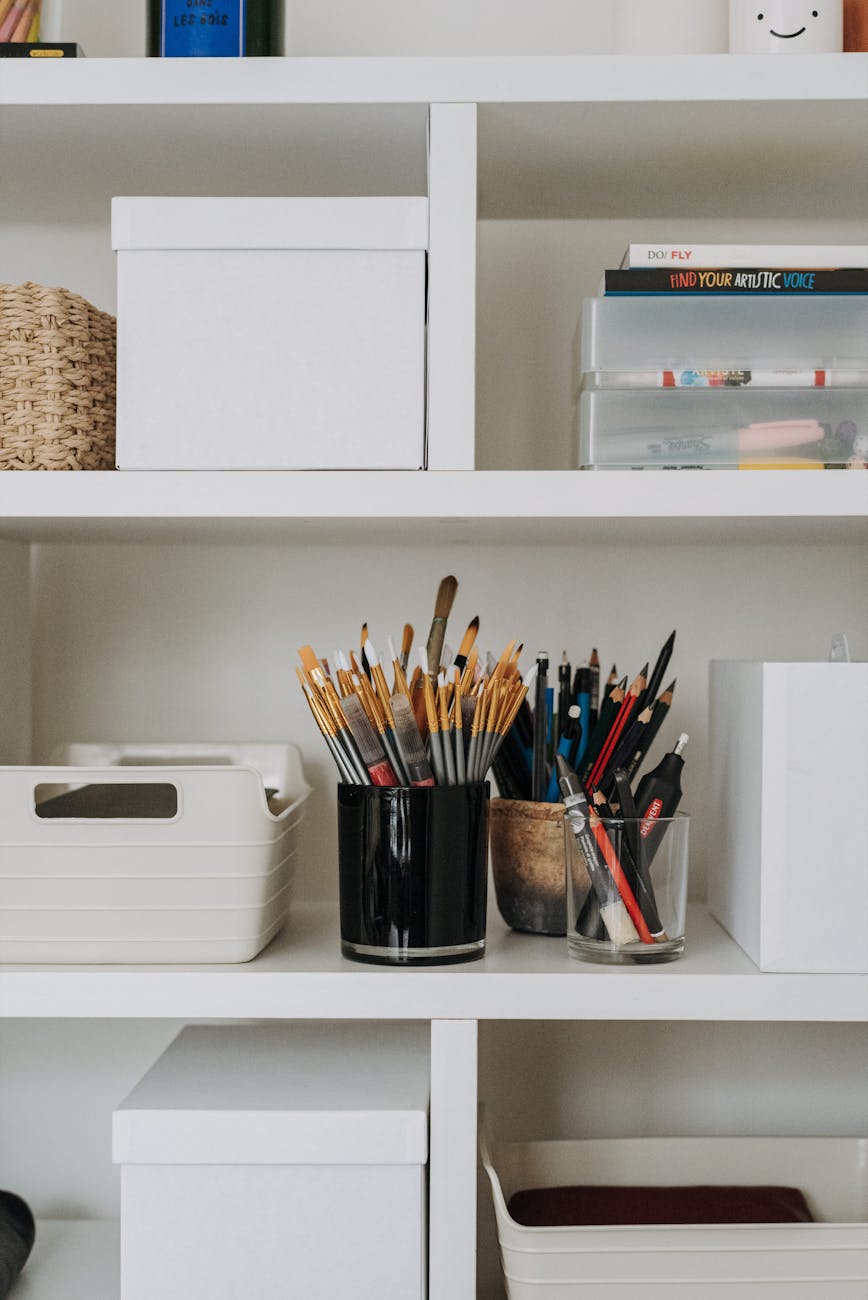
734 280
40 50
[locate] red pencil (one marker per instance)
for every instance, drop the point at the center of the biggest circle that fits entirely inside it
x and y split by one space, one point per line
617 873
621 719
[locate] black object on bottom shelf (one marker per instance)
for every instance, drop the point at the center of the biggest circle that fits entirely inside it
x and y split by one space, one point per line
17 1234
413 873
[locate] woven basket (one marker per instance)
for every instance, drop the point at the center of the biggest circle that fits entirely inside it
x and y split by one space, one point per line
57 380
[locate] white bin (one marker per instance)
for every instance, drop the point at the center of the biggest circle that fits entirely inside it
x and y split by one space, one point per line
277 1162
186 854
788 830
271 333
792 1261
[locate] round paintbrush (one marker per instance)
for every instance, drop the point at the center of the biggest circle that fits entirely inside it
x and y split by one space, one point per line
442 609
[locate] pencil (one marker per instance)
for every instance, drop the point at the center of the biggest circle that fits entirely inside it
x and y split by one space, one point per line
600 768
12 19
608 713
25 23
656 678
594 709
658 715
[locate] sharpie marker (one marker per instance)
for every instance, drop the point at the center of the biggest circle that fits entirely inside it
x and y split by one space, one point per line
724 446
724 378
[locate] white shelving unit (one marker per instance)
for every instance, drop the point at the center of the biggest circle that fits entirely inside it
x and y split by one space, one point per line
167 606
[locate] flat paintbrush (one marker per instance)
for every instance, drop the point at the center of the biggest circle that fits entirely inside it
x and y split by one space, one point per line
458 730
412 745
406 645
435 749
327 728
445 734
467 642
442 609
370 748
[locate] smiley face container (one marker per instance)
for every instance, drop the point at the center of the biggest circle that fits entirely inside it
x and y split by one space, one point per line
786 26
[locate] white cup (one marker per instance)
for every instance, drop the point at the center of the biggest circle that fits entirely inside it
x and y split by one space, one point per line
786 26
670 27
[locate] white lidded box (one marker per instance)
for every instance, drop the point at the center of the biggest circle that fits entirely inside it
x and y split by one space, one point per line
271 333
789 1261
276 1161
148 853
788 866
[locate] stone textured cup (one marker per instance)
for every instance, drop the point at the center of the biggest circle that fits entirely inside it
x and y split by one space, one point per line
527 862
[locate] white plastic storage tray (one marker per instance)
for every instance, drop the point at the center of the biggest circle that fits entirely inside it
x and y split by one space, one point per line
686 428
148 853
630 334
271 333
792 1261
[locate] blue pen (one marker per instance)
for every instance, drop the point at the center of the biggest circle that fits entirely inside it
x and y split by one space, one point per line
570 737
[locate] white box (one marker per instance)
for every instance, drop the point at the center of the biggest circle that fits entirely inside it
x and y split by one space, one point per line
788 872
277 1161
271 333
796 1261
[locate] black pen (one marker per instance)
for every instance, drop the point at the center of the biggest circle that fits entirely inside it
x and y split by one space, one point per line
564 697
538 775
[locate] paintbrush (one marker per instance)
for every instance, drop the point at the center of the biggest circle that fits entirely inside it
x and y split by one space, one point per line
442 609
458 730
445 734
406 645
412 745
370 748
467 642
327 727
435 748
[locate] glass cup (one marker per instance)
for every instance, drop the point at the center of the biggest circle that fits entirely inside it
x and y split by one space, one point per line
626 888
413 867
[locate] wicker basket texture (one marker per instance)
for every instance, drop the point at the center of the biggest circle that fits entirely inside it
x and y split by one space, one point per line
57 380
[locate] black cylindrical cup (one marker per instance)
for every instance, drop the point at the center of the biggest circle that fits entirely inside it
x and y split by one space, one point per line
413 873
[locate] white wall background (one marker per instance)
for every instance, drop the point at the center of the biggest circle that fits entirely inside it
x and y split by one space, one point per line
116 28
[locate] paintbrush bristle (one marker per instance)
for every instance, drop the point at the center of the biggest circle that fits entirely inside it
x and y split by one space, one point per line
445 597
469 637
407 640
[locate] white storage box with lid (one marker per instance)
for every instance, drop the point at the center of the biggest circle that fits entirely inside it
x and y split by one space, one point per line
789 818
271 333
277 1161
789 1261
148 853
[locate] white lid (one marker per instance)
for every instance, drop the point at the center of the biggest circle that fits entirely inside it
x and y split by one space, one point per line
221 223
319 1094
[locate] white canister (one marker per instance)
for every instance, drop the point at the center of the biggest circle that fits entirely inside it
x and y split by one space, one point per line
786 26
670 27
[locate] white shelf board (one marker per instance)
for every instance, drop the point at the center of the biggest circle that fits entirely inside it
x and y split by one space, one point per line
584 135
72 1259
302 975
495 79
484 506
